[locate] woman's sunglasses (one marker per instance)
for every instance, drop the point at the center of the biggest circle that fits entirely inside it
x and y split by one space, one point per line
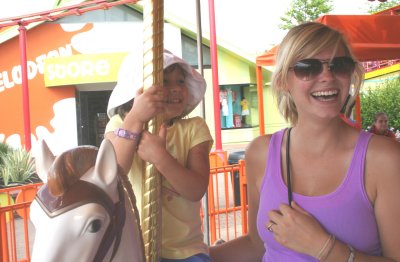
308 69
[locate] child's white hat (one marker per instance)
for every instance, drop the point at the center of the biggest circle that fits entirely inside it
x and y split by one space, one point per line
130 79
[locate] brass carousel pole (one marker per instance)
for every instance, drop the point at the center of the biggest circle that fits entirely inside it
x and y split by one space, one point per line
153 22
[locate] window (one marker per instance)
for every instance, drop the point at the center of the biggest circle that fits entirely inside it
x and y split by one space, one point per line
189 53
239 106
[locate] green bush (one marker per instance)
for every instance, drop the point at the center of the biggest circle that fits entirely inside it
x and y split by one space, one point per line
383 98
18 167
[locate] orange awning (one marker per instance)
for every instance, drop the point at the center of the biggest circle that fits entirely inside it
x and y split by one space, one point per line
372 37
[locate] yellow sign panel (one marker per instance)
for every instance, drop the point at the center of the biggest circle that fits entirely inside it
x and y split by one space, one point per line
82 69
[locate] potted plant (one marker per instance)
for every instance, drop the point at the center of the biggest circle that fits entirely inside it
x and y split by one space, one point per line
17 167
4 150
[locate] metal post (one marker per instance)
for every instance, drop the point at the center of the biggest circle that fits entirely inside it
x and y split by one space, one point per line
25 90
214 68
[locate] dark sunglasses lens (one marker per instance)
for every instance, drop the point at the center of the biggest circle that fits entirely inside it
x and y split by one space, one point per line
342 66
307 69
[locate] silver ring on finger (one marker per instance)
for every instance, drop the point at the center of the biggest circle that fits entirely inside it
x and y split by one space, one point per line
269 227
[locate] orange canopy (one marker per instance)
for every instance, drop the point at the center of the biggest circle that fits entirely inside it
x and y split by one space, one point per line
372 37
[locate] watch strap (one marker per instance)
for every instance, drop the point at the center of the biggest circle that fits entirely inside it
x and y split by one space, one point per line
120 132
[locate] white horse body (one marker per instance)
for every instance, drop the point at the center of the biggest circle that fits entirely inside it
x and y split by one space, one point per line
76 232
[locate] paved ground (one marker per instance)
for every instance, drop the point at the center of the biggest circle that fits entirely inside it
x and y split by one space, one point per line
20 239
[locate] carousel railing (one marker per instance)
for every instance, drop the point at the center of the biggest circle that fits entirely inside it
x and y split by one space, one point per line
227 217
227 206
15 228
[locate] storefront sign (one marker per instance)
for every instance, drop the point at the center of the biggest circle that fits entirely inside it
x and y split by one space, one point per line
82 69
10 78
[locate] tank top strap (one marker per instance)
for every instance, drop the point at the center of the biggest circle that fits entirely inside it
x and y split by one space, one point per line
274 157
357 165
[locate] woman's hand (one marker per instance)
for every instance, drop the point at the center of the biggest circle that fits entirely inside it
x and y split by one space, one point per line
296 229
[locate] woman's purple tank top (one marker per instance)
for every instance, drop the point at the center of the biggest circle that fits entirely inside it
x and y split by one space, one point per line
346 213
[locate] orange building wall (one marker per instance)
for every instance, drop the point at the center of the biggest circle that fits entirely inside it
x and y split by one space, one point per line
44 41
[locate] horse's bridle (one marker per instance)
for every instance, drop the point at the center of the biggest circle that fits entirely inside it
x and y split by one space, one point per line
81 193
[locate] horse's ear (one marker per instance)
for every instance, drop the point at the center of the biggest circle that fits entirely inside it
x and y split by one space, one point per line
106 163
44 160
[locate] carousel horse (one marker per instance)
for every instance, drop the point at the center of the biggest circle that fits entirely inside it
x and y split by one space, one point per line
83 212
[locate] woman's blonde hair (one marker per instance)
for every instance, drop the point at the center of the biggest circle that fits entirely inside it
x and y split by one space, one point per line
301 42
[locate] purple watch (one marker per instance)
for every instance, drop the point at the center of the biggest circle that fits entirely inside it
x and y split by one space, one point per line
127 134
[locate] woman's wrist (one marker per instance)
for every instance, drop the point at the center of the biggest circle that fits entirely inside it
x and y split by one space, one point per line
352 254
326 249
340 251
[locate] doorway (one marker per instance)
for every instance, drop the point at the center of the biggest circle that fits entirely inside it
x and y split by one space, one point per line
91 109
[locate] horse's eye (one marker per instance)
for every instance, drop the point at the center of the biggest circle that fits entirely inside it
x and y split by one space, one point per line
94 226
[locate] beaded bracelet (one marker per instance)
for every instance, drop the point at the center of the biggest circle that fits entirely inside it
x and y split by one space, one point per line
329 249
352 254
321 252
127 134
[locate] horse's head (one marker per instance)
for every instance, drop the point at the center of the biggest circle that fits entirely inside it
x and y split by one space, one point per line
81 209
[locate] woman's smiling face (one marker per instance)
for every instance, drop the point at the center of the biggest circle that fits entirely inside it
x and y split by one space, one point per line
324 95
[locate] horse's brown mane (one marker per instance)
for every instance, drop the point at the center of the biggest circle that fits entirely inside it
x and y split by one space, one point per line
69 167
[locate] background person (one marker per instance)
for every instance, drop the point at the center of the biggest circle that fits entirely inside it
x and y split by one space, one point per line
180 151
322 190
381 125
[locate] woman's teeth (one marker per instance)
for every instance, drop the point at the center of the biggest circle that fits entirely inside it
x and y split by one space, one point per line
325 95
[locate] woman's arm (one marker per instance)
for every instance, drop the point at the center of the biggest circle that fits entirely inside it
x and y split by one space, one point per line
382 178
248 247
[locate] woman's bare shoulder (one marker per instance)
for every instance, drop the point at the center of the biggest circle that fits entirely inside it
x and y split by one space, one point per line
384 149
256 156
383 156
258 144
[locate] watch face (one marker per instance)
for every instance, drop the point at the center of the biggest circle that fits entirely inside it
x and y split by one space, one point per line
124 133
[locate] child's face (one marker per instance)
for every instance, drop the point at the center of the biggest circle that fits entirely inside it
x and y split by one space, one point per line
176 92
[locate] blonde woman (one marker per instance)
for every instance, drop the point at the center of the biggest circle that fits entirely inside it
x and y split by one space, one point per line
320 190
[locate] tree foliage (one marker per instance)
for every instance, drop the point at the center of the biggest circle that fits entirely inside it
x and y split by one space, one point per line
383 98
374 7
301 11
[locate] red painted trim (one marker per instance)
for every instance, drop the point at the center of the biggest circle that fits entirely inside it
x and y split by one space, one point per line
214 70
60 12
25 90
260 96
